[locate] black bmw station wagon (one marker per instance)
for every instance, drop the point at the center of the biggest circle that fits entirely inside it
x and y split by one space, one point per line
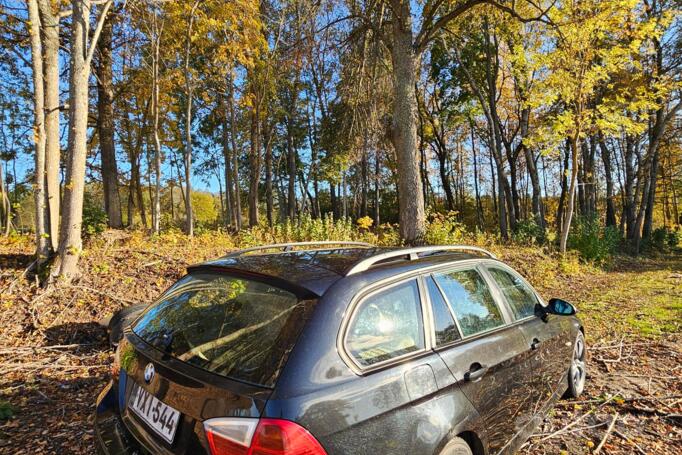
340 348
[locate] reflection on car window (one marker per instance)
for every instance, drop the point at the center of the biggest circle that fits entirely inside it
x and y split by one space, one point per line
520 297
446 330
471 301
231 326
387 325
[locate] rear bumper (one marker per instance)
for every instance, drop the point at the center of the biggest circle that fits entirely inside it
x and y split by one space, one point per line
111 435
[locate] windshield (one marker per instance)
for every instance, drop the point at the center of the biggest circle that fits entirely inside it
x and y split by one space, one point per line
235 327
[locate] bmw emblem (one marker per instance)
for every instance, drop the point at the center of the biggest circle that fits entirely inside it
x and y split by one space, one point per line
149 373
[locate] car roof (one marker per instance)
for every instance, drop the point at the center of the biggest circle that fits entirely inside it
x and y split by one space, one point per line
317 270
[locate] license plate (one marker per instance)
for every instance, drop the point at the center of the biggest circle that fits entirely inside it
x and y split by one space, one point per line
162 418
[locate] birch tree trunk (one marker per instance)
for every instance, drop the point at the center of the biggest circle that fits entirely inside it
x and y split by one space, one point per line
50 32
404 57
42 244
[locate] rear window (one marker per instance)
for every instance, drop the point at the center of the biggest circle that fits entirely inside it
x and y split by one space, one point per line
235 327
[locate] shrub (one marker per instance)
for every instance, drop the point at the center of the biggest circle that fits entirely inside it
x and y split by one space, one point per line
593 242
663 238
444 229
528 232
94 217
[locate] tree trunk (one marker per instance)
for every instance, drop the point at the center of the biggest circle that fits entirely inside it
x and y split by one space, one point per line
254 165
291 171
404 128
479 206
564 188
41 218
5 206
566 226
105 125
608 175
334 200
50 28
227 156
235 156
269 204
189 93
377 199
70 242
156 210
629 207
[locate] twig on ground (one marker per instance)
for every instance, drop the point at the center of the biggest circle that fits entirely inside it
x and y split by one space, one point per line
609 430
576 421
104 293
621 435
30 267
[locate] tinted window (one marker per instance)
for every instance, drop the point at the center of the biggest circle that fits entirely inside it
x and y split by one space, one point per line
387 324
470 300
520 297
231 326
446 330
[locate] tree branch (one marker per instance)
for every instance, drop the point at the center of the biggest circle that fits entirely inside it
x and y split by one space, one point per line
98 30
429 29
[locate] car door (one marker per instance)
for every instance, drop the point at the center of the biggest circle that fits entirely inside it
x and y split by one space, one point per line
547 338
395 404
489 361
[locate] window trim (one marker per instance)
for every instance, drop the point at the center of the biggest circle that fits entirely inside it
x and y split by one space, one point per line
501 305
356 303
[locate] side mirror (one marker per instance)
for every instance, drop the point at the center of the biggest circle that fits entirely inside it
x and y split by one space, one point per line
560 307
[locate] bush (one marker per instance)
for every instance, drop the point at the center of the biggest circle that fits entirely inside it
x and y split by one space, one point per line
528 232
663 239
94 217
444 229
593 242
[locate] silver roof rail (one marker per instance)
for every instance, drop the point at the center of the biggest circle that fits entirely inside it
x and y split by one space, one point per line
413 254
286 247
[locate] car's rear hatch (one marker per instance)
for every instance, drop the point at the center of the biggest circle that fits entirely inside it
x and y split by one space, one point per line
212 346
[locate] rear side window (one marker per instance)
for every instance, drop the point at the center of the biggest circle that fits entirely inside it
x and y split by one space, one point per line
231 326
387 325
446 329
519 296
470 300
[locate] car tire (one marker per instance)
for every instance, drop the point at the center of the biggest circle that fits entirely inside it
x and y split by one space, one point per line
457 446
577 373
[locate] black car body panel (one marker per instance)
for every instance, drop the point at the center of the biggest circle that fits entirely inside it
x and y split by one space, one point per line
414 405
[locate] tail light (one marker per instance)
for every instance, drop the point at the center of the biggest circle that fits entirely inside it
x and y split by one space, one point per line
241 436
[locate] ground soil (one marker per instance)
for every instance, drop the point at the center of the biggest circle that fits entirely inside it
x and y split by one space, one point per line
54 357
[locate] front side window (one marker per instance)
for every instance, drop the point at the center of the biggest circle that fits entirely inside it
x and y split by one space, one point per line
232 326
520 297
471 301
387 325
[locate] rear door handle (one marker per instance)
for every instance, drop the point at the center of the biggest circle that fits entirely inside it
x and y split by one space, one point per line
535 344
476 372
